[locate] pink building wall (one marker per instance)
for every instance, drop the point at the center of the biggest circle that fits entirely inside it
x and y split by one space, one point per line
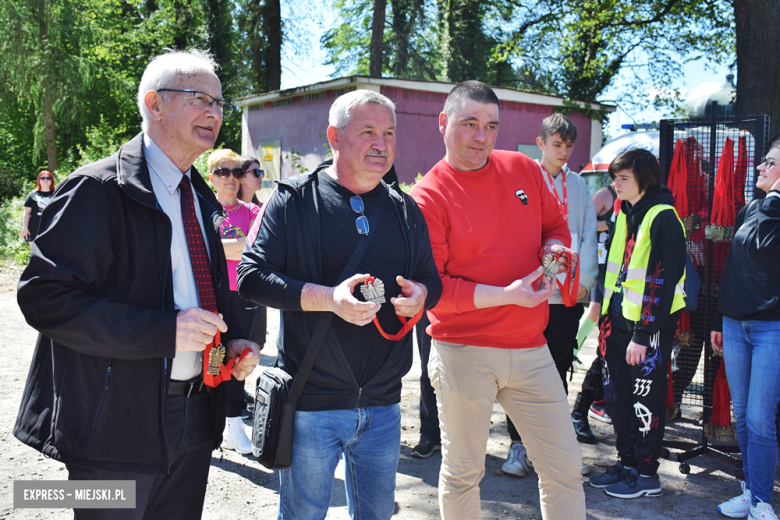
302 125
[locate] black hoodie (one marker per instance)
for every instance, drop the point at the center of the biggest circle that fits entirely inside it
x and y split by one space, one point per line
665 265
750 287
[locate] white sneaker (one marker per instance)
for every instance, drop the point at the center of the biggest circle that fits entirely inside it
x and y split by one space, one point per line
737 507
515 463
234 437
762 511
585 470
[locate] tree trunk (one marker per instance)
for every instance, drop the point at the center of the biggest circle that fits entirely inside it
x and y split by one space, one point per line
273 30
46 95
49 131
758 70
377 39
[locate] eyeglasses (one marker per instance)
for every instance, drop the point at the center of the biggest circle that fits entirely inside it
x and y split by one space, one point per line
768 162
202 100
362 222
257 171
224 173
46 178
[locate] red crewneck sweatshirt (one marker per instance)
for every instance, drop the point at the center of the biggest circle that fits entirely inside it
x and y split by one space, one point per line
487 227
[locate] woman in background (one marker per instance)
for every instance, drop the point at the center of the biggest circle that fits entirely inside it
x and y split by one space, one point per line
252 180
226 174
750 340
36 201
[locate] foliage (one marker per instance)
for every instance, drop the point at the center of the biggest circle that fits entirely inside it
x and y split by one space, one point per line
201 164
294 156
406 187
12 246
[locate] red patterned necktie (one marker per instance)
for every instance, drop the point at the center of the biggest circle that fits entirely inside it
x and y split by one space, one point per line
197 247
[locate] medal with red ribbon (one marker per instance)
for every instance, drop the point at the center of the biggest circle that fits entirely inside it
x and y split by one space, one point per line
214 371
563 206
373 291
571 285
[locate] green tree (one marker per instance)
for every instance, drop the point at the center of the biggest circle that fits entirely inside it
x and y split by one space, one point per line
42 67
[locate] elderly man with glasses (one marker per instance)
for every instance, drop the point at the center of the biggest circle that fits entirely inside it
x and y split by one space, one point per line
128 287
312 226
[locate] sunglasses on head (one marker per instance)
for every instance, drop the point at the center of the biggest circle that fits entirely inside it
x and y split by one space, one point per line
224 173
257 172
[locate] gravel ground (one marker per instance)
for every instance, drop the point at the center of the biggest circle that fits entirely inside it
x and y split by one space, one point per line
239 488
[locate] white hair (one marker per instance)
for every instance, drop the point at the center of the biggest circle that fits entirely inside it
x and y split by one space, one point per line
164 70
341 109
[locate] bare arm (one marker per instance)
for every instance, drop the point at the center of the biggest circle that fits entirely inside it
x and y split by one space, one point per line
339 300
26 223
233 247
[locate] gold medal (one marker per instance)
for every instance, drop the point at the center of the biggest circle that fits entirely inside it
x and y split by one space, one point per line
216 355
551 265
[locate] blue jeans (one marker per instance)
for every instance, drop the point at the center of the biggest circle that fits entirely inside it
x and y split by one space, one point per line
750 350
369 438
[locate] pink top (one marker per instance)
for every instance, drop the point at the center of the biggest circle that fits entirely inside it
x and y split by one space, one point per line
236 225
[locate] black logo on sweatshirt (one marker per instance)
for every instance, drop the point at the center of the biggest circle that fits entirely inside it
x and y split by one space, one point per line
520 194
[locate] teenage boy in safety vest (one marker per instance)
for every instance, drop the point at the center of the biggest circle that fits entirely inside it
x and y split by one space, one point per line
643 297
556 141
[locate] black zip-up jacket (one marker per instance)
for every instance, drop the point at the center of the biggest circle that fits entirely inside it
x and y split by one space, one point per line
750 286
99 289
286 255
665 264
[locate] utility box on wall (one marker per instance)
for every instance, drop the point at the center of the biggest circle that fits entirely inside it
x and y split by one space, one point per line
269 155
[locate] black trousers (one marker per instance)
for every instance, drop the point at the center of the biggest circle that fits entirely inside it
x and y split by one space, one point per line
253 321
429 416
561 336
636 395
189 429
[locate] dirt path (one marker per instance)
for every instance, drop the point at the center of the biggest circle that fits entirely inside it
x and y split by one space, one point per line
239 488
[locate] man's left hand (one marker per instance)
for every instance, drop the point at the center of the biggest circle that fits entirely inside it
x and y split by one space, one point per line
411 299
555 249
581 292
247 365
635 353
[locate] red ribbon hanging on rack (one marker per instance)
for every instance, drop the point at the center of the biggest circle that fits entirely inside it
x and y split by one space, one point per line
723 200
678 180
721 398
740 175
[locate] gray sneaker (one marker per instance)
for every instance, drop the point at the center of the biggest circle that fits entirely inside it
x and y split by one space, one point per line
612 476
516 461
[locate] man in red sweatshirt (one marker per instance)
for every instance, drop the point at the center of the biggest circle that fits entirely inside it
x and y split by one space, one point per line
489 213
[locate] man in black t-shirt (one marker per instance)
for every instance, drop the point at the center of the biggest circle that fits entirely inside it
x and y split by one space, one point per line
306 236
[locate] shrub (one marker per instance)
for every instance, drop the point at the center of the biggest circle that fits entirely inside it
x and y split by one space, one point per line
12 246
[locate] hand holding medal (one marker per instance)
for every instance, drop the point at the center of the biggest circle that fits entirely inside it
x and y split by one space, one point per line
410 303
558 259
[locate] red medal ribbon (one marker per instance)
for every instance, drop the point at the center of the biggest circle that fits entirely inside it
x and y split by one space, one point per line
408 325
225 370
563 206
571 284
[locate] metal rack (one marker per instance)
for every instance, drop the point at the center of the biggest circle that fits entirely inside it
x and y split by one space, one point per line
704 139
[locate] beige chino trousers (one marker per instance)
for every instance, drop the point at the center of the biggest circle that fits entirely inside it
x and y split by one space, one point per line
468 380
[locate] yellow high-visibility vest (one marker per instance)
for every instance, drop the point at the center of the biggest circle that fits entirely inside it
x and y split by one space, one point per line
633 287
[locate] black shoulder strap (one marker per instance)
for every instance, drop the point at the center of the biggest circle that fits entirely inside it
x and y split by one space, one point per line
313 349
